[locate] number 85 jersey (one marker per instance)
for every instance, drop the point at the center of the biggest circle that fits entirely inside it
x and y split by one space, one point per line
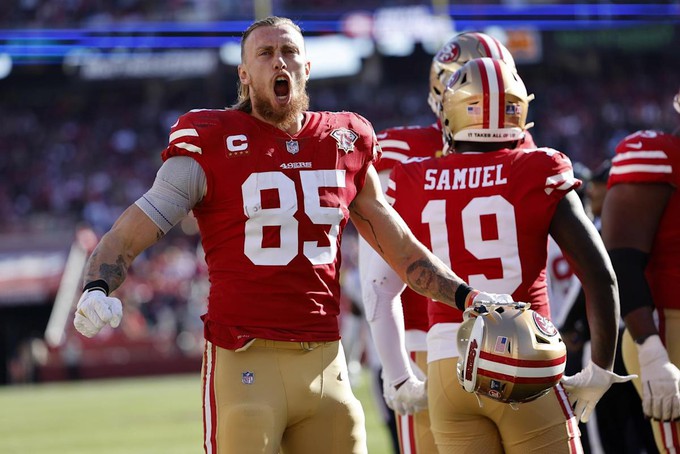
487 215
272 218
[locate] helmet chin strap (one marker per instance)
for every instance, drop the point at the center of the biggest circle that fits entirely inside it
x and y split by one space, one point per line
479 400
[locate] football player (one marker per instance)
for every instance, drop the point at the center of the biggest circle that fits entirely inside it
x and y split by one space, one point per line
384 294
641 230
272 186
487 208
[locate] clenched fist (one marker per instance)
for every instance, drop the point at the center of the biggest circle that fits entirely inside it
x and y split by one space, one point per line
94 310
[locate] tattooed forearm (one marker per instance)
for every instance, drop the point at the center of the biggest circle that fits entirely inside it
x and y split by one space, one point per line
364 219
114 274
428 279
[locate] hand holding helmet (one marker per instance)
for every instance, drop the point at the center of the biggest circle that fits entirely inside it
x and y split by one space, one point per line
481 302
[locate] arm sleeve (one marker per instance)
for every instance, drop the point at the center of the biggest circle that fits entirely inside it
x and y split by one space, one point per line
381 290
180 184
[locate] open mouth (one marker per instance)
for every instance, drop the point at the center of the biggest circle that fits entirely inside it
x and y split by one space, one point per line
281 87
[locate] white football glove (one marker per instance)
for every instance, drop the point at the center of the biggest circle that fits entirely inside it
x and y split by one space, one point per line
410 398
482 302
660 378
587 387
94 310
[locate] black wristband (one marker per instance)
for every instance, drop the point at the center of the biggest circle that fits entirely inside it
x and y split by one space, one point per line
462 293
99 284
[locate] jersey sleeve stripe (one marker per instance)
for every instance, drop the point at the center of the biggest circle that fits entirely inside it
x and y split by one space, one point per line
399 157
189 147
183 133
390 199
562 181
640 168
391 185
647 154
391 143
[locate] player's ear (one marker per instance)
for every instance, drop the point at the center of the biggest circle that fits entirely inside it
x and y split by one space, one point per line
308 66
243 75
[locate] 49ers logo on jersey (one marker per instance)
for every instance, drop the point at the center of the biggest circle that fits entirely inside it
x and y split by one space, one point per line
449 53
345 138
544 325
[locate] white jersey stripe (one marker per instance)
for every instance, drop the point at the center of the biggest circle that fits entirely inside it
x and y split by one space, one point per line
189 147
183 133
640 168
392 143
401 157
561 181
650 154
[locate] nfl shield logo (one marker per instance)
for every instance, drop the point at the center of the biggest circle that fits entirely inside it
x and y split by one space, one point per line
247 378
292 146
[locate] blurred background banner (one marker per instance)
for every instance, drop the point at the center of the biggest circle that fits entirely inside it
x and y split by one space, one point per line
89 90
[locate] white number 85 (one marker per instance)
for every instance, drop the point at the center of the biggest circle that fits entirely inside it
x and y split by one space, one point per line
283 216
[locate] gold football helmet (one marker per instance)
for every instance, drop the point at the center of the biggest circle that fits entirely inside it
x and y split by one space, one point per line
455 53
484 101
510 354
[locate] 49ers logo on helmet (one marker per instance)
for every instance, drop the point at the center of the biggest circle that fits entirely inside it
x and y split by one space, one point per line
544 325
449 53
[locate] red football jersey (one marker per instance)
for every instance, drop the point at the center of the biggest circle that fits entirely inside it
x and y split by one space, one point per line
397 145
272 219
654 157
487 215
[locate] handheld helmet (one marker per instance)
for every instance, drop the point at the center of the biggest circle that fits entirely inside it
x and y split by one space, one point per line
455 53
510 354
484 101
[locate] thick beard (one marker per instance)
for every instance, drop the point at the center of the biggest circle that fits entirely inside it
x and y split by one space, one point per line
282 116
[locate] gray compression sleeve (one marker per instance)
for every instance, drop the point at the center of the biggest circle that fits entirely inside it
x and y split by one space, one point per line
180 184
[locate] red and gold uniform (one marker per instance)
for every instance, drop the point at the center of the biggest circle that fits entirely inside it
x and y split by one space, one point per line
274 212
654 157
487 215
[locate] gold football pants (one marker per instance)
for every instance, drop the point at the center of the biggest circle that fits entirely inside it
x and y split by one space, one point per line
462 424
275 396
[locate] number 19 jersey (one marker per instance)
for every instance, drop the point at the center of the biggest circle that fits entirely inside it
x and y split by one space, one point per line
487 215
272 218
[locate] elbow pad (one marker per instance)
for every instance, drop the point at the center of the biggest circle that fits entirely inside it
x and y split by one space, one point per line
629 265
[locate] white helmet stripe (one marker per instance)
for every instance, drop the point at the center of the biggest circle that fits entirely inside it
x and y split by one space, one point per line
491 46
494 93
